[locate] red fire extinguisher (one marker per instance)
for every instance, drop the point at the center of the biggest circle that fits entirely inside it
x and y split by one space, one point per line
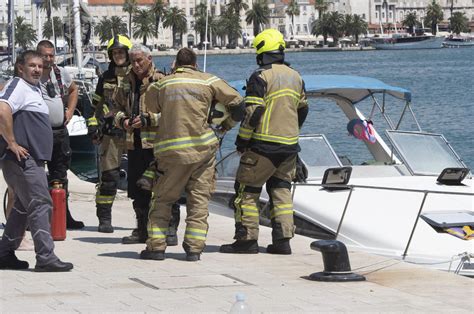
58 218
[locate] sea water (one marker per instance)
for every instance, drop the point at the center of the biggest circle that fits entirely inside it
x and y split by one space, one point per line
440 80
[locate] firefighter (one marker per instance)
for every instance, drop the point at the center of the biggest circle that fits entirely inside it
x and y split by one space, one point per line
185 150
268 142
140 123
111 140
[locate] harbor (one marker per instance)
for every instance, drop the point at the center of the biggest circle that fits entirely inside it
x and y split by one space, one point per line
109 276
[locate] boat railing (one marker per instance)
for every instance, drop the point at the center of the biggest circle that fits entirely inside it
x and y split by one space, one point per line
351 188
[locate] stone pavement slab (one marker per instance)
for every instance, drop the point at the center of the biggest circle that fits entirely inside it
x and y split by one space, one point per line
109 276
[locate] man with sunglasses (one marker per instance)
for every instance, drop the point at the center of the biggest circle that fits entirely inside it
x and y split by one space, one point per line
60 94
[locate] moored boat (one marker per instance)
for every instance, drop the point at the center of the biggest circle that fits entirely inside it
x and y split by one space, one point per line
403 42
412 201
458 42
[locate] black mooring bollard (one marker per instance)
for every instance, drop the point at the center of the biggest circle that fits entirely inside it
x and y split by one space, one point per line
336 262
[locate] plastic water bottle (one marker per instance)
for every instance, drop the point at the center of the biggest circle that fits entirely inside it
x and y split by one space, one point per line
240 307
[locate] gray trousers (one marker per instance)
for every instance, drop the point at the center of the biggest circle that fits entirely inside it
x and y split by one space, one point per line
32 207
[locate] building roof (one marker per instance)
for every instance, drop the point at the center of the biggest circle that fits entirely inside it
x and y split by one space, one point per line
118 2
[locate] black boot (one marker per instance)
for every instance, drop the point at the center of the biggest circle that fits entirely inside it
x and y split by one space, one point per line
240 247
280 247
105 226
131 239
152 255
71 223
10 261
171 236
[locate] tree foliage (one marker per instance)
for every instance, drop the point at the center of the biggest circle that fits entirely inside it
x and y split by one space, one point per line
410 21
25 34
434 15
144 24
293 10
129 6
175 19
459 23
258 16
48 28
108 27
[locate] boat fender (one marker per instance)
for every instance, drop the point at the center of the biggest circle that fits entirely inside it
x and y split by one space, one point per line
362 130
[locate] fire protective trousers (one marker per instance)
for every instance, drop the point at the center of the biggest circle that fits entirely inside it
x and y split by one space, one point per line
254 171
110 156
198 181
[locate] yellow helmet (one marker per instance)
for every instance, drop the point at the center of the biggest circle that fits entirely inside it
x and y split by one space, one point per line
269 40
119 41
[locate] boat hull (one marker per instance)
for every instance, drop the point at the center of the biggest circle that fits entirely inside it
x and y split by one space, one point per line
430 43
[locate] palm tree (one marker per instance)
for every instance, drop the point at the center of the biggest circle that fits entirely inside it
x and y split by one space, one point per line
200 20
48 28
143 24
25 34
359 26
320 27
237 5
410 21
231 23
293 10
348 22
258 15
158 9
129 6
321 6
49 6
434 15
176 19
336 25
103 29
117 26
459 23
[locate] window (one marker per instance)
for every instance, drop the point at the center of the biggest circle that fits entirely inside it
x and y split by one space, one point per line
298 28
191 11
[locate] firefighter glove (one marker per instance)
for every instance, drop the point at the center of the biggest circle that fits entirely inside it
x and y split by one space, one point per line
301 171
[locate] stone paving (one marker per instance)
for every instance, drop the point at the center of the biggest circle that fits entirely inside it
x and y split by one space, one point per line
109 276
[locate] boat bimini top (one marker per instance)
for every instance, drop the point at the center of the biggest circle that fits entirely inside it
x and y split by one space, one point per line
347 91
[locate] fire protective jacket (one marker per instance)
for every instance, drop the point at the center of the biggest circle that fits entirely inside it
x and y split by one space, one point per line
275 109
129 108
184 99
102 99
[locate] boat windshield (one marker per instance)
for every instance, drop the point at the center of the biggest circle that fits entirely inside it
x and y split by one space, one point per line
424 153
316 153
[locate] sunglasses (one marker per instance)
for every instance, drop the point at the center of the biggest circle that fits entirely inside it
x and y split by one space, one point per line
50 89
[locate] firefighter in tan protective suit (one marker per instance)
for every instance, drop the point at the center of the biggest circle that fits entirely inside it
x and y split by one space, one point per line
111 140
185 150
268 140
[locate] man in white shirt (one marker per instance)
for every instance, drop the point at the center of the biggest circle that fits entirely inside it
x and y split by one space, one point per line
57 87
25 130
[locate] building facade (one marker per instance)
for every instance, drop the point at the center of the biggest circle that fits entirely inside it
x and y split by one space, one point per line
379 14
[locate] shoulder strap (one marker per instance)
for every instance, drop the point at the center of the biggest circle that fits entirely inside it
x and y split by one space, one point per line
57 73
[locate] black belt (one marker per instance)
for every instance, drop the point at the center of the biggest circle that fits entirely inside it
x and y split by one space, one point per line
56 128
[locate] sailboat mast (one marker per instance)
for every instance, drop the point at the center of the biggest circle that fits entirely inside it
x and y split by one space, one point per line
76 11
205 34
11 35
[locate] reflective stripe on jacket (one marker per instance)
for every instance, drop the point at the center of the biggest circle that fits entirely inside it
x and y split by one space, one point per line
125 99
184 99
279 91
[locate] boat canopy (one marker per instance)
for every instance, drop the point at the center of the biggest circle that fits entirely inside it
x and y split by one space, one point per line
352 88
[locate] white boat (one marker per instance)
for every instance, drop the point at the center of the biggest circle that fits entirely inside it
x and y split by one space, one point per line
458 42
404 42
393 205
